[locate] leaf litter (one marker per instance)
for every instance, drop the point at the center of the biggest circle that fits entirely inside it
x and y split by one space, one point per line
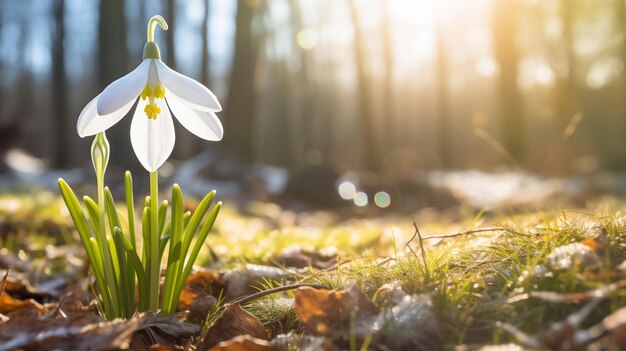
546 284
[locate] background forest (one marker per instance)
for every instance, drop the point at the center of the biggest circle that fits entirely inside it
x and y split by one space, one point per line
386 88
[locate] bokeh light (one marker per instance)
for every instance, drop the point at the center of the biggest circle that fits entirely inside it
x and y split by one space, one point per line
360 199
346 190
307 39
382 199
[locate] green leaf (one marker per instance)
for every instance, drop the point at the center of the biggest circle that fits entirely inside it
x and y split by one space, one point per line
191 258
162 216
130 206
175 255
109 205
92 211
78 217
196 218
145 231
127 296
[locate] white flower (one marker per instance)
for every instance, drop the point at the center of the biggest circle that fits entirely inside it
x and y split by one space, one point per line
160 90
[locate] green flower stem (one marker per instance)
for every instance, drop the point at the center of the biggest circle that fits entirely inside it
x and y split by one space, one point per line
151 49
153 256
152 26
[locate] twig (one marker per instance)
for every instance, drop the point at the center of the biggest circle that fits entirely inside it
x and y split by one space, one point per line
467 232
421 242
260 294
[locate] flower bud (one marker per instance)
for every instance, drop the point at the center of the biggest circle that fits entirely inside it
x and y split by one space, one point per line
100 153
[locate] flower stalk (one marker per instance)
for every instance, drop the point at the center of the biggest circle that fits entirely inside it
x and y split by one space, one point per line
155 265
123 266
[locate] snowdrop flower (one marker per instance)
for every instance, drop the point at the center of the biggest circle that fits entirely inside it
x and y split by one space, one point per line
162 92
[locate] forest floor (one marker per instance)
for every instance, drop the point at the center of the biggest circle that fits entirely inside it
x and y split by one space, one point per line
273 279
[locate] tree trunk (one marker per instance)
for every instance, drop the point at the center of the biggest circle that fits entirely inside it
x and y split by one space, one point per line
621 13
113 64
59 86
240 114
205 72
169 34
388 94
444 136
506 53
567 86
303 93
364 106
2 110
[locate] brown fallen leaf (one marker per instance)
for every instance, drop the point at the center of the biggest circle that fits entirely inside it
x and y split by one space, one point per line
171 327
21 289
85 330
234 321
325 312
27 330
245 343
200 294
9 304
598 241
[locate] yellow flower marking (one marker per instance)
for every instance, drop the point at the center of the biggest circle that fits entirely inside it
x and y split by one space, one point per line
152 110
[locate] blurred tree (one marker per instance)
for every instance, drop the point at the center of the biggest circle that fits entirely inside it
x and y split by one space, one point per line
59 85
621 22
567 104
444 139
25 79
302 89
364 107
205 72
2 19
170 17
240 112
113 64
184 146
388 94
504 30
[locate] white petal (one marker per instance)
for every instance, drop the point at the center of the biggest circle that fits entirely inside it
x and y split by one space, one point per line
152 140
204 124
187 89
123 90
91 123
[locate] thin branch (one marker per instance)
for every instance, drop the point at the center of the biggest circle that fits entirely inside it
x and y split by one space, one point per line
421 242
263 293
467 232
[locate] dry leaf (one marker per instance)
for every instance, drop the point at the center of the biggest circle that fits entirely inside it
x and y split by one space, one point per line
324 312
9 304
200 294
171 327
234 321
